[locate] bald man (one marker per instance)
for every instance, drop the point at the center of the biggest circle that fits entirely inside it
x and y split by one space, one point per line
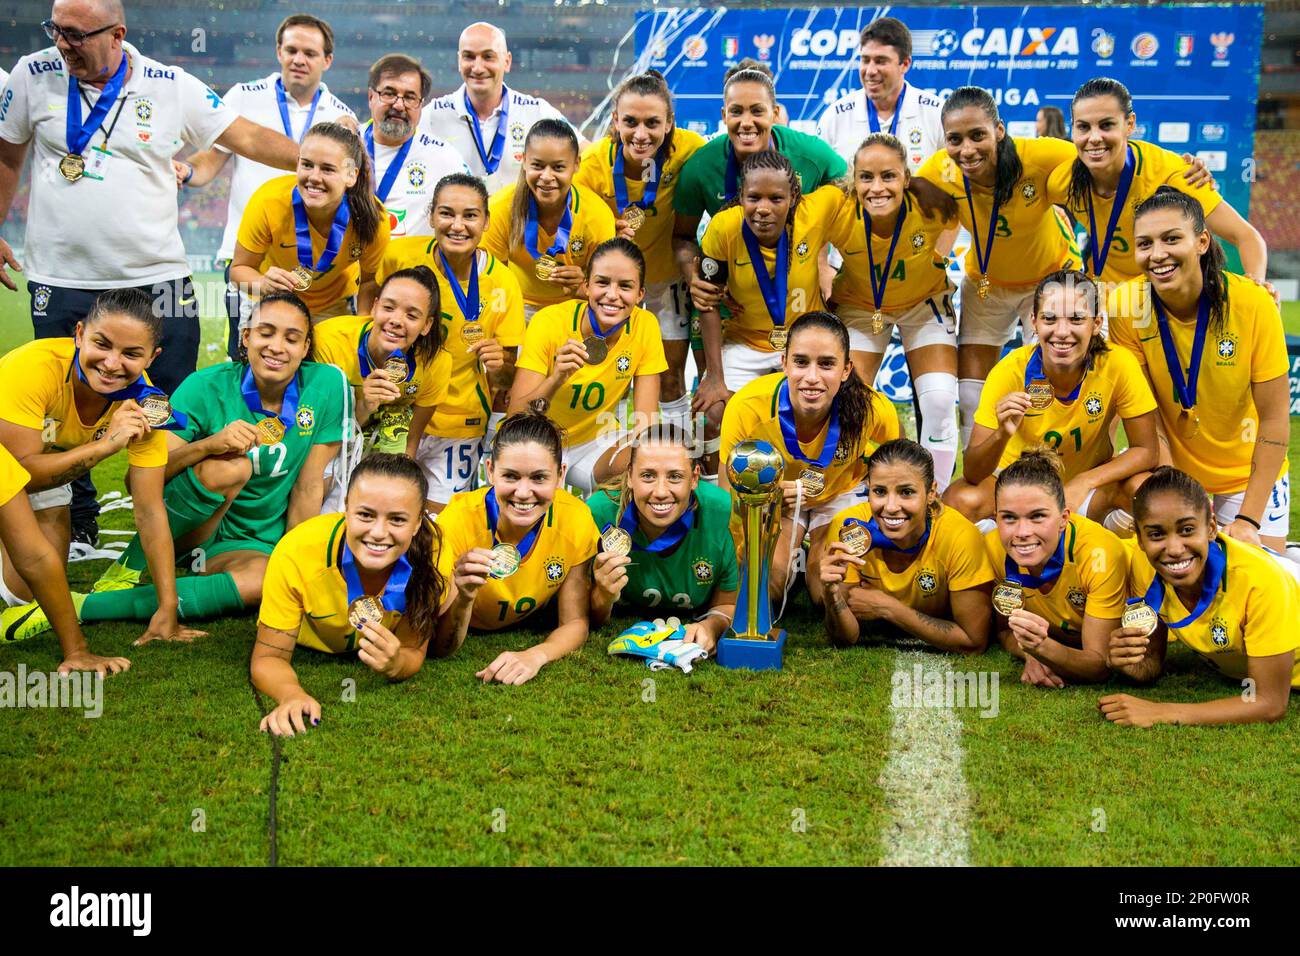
484 120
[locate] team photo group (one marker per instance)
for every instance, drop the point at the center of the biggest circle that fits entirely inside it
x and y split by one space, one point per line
486 374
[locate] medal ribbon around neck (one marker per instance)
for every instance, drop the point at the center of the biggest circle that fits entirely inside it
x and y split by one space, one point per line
873 118
983 250
596 330
878 293
394 596
1216 563
77 134
525 546
491 159
1034 372
1184 383
282 102
302 230
468 299
133 392
672 536
785 417
773 289
363 353
884 543
561 243
1098 253
647 199
732 177
288 405
395 167
1036 582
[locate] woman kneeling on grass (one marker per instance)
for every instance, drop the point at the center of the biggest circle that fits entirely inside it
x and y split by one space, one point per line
1232 603
928 574
371 580
519 543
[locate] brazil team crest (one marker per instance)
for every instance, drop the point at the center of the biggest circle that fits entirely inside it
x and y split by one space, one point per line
623 363
41 299
577 245
914 137
1094 406
1029 191
801 250
918 240
143 110
415 175
703 571
927 580
1078 600
554 569
1227 349
1219 632
306 419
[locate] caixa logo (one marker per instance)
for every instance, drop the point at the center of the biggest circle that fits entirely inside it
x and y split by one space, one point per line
998 41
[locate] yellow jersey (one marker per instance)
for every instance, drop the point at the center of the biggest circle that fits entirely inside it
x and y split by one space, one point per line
916 271
1253 614
567 540
304 592
41 397
267 228
1080 431
752 413
1092 580
1153 166
13 477
586 405
655 237
1250 348
465 410
814 221
593 223
953 559
1030 239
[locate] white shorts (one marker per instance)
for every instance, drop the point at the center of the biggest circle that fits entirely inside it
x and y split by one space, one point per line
581 461
810 519
742 364
449 464
530 311
1276 520
667 300
59 497
992 321
930 322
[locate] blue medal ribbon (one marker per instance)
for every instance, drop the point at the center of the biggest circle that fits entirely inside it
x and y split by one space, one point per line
1216 563
395 167
363 353
561 242
394 596
1184 382
631 523
288 405
983 251
647 199
878 293
525 546
873 118
491 159
77 134
282 102
773 288
1034 371
596 330
880 541
733 168
785 416
133 392
302 230
1099 252
1051 571
467 300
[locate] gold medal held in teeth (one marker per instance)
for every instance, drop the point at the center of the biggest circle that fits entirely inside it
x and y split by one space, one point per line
1041 395
365 608
157 409
597 349
776 338
302 279
814 482
616 541
634 216
472 333
396 369
1007 598
983 287
270 430
856 538
72 167
1140 616
545 266
877 322
505 561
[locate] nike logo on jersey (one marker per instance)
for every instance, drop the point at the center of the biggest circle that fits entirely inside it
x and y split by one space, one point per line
318 617
1149 337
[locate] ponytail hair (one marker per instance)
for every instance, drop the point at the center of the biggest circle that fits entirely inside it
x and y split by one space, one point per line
468 180
1213 262
906 452
1080 177
367 212
1009 166
530 426
1080 282
660 433
1039 467
854 395
548 128
426 587
427 344
131 303
649 83
1169 479
622 246
750 71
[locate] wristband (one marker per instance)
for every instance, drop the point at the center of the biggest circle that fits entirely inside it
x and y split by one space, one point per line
1250 521
189 175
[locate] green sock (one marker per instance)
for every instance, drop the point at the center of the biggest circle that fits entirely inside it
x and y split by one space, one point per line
208 595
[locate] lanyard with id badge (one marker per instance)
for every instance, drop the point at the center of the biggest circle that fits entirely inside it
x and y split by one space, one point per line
98 156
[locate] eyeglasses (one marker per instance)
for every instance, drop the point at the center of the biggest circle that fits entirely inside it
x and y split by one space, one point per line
388 96
73 38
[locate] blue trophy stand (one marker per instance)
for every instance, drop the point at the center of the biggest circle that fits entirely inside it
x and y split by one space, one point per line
744 646
736 653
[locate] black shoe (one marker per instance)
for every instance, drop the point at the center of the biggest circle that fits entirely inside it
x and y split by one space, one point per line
86 531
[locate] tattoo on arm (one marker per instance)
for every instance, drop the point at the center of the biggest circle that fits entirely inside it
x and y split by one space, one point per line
1270 441
940 625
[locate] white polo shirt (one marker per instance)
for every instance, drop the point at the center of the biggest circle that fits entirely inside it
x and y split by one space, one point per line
256 101
408 200
447 118
4 77
120 230
845 124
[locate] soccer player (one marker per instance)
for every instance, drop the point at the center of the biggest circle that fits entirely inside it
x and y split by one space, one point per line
892 275
825 423
485 121
545 225
1060 588
371 580
1050 122
927 571
1223 409
581 359
482 319
682 555
1110 169
319 233
1234 605
635 170
1065 390
520 544
73 403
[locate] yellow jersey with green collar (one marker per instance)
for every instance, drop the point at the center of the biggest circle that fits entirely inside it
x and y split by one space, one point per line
1030 238
1079 431
465 410
41 397
586 405
814 221
13 477
953 559
916 271
593 223
1153 166
655 237
304 592
752 413
1250 348
1253 614
267 229
1092 580
567 540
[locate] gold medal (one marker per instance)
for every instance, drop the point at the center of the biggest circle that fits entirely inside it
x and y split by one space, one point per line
1040 394
396 369
1189 423
545 266
302 279
856 538
776 338
634 216
72 167
1140 616
505 561
616 541
814 482
877 323
157 409
270 430
472 333
983 287
365 608
1007 598
597 349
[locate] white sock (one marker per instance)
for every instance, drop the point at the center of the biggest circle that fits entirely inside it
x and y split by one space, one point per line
1119 522
677 412
968 395
936 393
711 479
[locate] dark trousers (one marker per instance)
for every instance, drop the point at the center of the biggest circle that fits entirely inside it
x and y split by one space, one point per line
232 317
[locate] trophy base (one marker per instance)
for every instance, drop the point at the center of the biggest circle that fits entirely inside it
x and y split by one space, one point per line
736 653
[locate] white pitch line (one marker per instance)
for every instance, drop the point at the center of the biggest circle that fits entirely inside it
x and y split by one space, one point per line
925 788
